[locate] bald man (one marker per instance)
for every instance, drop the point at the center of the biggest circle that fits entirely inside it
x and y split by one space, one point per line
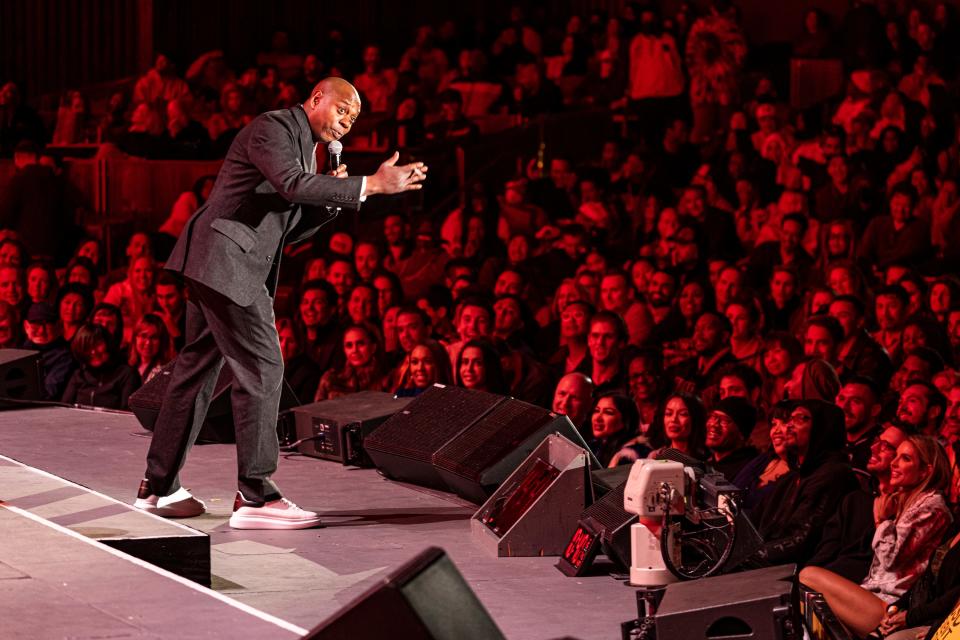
573 397
267 195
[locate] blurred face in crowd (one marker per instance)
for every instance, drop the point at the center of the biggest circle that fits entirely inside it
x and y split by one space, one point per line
709 335
316 270
950 429
820 301
358 348
818 343
386 295
798 430
147 343
11 289
169 299
953 328
791 234
289 345
366 259
390 329
846 314
729 286
572 398
603 342
341 243
615 293
661 289
423 370
38 284
518 250
574 321
783 288
640 274
776 360
474 322
106 319
472 368
901 208
778 437
589 282
837 169
411 330
393 230
642 380
841 281
940 299
142 274
692 204
668 223
139 245
907 470
509 282
890 312
90 250
606 418
40 333
507 316
742 323
677 423
691 300
914 408
361 304
72 309
733 387
567 293
315 309
340 275
838 241
859 405
884 450
98 355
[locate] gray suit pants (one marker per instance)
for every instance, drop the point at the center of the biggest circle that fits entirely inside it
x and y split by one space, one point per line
221 332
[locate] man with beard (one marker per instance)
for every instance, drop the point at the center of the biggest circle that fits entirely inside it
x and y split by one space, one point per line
711 342
950 436
728 427
891 303
660 292
859 399
846 546
921 407
859 354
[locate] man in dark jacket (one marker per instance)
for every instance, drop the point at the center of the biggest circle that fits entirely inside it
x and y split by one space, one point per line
43 335
267 194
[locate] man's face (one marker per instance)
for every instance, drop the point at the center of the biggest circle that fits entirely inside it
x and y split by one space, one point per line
890 312
139 245
169 299
315 309
340 275
884 450
818 343
914 368
11 289
691 203
614 294
393 230
474 323
914 406
410 331
660 289
603 342
950 429
708 335
509 282
859 406
40 333
332 113
791 234
722 433
900 208
728 286
733 387
642 380
572 399
366 260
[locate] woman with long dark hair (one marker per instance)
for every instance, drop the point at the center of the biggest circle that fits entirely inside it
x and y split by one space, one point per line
681 424
479 367
427 364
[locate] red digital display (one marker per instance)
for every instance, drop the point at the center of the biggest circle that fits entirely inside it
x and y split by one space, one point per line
579 552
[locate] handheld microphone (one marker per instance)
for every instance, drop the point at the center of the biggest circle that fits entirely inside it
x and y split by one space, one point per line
334 149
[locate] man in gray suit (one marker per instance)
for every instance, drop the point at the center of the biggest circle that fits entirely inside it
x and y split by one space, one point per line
266 195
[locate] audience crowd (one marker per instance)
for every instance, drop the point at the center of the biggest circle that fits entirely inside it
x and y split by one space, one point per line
771 290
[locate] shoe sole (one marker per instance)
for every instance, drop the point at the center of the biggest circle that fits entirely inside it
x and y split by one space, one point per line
272 524
169 512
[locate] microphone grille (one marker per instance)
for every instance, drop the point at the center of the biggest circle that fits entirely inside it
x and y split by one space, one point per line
335 147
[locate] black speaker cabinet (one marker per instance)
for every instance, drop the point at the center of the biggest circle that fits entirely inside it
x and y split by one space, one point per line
751 604
218 426
335 429
425 599
20 376
402 448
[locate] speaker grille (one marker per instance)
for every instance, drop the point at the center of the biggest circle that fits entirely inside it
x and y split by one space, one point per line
430 421
608 510
491 438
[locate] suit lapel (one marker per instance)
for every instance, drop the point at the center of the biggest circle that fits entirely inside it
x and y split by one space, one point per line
308 149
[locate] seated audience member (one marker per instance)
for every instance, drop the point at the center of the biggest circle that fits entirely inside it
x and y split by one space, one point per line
43 335
479 367
172 307
729 425
605 341
427 364
910 526
814 379
75 302
681 424
363 369
921 406
41 282
614 422
644 377
573 398
711 343
136 295
104 379
758 477
527 378
9 326
299 371
790 519
474 319
846 545
859 399
108 316
781 355
574 328
316 322
151 348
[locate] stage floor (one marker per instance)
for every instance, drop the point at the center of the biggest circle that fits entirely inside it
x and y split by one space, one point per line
372 526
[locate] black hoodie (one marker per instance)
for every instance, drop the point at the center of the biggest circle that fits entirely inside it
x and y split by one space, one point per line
791 518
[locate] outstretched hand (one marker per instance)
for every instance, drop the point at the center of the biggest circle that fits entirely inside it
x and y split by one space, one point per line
393 178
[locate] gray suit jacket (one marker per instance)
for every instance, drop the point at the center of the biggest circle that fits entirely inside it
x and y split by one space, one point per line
266 195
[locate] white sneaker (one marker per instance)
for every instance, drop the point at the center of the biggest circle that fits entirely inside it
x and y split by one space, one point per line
276 514
180 504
